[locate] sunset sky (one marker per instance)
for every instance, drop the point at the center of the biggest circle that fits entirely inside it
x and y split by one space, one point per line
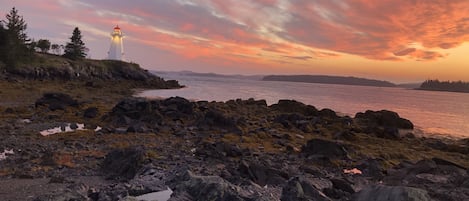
396 40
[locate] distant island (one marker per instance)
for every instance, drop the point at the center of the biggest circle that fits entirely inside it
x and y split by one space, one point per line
326 79
451 86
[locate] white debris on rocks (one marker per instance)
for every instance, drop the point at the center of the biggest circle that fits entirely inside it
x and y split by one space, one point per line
3 155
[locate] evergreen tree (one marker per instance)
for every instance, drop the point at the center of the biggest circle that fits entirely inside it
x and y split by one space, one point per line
75 49
16 27
2 46
14 44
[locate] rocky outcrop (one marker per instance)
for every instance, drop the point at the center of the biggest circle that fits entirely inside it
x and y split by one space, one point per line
58 68
292 106
383 124
384 118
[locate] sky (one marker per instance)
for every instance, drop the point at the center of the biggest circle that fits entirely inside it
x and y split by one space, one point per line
396 40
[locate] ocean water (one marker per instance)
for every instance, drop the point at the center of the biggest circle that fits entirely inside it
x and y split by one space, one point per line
439 114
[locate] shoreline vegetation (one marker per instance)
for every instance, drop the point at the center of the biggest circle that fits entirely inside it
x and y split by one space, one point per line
449 86
121 147
326 79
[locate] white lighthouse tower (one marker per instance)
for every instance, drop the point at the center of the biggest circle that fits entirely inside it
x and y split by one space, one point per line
116 51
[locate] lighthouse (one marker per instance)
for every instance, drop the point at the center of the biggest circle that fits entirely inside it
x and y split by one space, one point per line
116 51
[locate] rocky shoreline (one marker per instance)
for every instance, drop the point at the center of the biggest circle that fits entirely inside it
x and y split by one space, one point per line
234 150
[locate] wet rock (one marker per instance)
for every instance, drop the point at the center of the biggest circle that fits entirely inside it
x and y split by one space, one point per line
194 187
56 101
391 193
90 112
384 118
299 189
262 174
342 185
123 163
324 148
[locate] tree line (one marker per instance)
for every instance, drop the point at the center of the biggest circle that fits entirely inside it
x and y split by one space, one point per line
436 85
17 48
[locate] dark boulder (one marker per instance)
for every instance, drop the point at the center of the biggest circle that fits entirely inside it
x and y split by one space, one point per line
179 104
262 174
292 106
391 193
325 148
300 189
384 118
134 110
123 163
90 112
343 185
56 101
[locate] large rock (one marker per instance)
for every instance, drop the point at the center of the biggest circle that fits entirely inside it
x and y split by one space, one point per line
391 193
56 101
262 174
292 106
324 148
384 118
135 110
299 189
192 187
123 163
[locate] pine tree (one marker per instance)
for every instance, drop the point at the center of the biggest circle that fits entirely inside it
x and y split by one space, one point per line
14 45
75 49
16 27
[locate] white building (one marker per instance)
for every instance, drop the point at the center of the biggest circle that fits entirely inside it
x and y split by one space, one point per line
116 51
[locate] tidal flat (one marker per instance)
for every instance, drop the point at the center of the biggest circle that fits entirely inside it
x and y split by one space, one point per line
207 150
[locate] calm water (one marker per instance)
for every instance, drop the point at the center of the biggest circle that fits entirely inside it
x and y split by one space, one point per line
434 113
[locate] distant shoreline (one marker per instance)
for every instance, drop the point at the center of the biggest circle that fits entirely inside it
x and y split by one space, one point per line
326 79
436 85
